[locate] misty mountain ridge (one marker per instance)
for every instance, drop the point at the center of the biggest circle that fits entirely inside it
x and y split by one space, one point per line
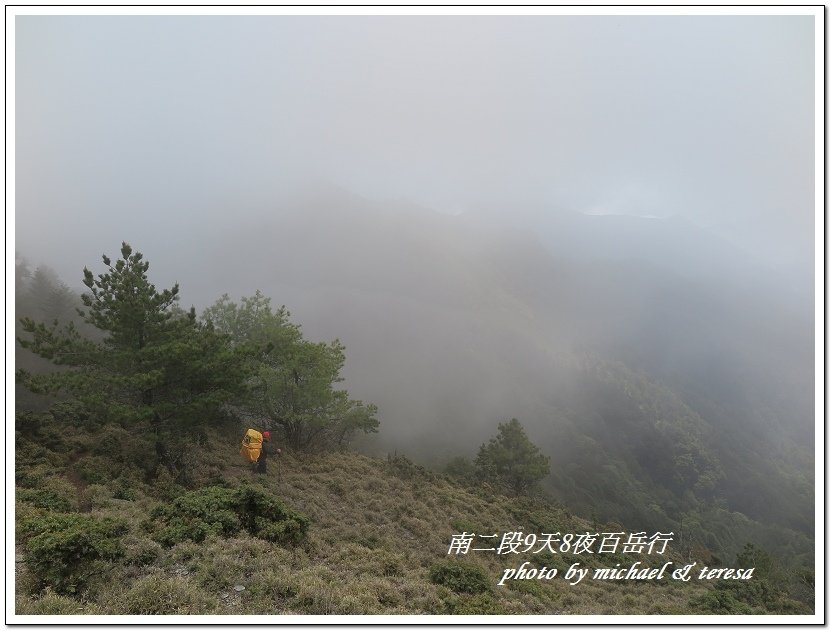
670 241
372 276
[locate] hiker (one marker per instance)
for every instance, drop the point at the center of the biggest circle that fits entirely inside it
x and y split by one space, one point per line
262 462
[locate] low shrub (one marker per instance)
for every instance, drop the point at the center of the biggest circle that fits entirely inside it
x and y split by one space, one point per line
392 564
97 495
46 498
720 603
196 515
123 491
481 604
65 550
94 469
387 592
265 517
460 577
532 587
551 561
748 597
404 468
164 486
29 476
129 449
225 512
285 531
140 551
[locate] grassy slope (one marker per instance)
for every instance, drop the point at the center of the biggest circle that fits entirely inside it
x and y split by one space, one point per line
377 529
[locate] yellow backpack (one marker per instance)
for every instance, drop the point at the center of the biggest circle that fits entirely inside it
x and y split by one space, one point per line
251 445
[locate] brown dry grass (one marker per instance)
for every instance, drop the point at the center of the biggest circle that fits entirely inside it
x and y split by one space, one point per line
376 530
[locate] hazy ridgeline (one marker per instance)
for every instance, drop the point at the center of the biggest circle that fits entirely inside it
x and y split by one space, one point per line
657 389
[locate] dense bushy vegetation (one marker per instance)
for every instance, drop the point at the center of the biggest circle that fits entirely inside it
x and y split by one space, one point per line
226 512
63 551
460 577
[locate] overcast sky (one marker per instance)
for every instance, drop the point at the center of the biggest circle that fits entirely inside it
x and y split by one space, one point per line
130 126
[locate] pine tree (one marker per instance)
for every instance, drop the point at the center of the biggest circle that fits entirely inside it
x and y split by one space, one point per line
156 368
511 460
